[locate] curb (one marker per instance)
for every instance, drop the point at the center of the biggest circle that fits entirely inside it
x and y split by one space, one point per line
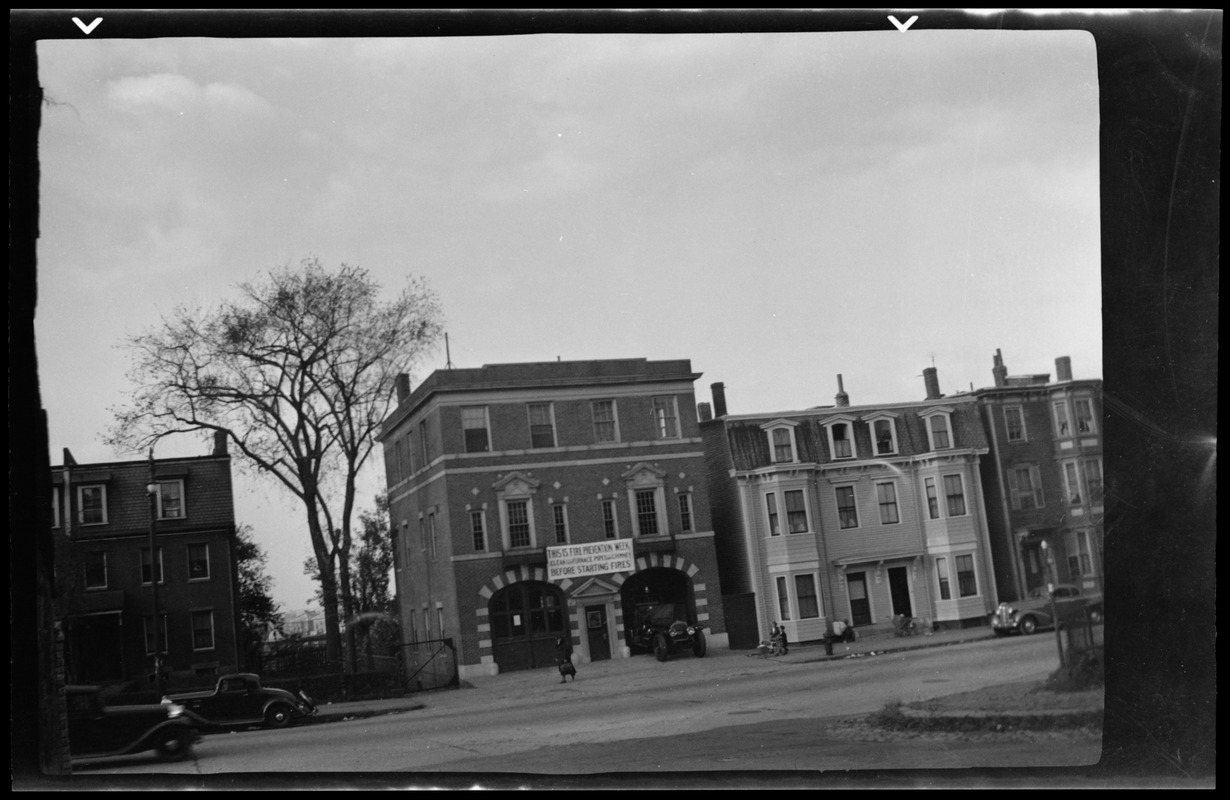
922 719
321 718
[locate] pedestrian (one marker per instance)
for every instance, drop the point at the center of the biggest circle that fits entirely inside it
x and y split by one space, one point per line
563 657
785 640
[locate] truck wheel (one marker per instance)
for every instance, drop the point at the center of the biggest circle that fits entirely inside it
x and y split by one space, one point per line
278 716
699 647
175 747
1028 625
660 647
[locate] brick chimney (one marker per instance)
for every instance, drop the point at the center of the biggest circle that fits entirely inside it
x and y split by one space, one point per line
704 412
402 384
220 443
842 399
1063 369
999 370
932 380
719 399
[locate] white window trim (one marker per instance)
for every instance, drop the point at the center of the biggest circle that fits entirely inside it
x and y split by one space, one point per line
764 505
928 416
1067 411
770 429
657 428
896 502
55 506
614 419
614 506
837 507
1082 495
939 497
939 588
784 511
659 509
891 419
209 567
81 504
1020 410
943 495
106 574
482 523
529 512
567 525
486 427
784 578
848 421
794 590
530 420
183 500
685 498
1093 419
955 576
213 631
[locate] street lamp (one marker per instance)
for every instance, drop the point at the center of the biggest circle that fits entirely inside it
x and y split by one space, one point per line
152 490
1049 556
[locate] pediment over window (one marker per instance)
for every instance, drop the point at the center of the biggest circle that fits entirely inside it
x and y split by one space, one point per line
931 412
595 587
644 474
880 415
516 483
780 423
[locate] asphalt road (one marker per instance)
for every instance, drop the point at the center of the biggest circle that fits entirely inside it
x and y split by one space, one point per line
640 720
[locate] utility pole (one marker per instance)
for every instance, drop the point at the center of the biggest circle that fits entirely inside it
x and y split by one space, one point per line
154 575
1052 579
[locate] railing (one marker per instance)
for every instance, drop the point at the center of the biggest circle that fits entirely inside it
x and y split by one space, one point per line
431 664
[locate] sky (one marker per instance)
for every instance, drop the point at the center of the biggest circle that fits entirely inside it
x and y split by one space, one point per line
778 208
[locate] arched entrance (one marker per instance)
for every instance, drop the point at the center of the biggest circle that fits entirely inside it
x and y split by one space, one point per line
651 587
526 619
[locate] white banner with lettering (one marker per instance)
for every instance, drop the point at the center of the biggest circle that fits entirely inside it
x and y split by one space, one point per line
583 560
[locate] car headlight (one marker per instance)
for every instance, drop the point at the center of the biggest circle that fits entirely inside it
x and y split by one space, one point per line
691 631
173 709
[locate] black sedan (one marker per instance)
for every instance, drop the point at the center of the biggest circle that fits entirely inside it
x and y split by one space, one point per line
96 729
240 699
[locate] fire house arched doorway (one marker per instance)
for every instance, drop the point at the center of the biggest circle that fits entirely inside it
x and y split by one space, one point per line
526 619
653 587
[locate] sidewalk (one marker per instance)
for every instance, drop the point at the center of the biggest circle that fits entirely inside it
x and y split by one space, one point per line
623 674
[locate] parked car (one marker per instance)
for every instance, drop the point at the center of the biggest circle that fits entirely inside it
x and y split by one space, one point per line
96 729
1034 612
240 699
659 629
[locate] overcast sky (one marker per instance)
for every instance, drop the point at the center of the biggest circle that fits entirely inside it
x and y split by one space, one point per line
778 208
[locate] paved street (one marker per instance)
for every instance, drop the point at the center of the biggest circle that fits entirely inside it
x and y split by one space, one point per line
727 711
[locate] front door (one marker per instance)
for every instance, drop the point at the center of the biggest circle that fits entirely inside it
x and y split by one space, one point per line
596 631
1035 574
860 606
899 590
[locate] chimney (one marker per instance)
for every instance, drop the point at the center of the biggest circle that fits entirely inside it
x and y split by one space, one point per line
704 412
931 378
719 399
1063 369
999 370
220 443
842 398
402 383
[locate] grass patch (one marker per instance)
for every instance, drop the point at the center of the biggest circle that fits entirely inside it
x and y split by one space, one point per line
1083 672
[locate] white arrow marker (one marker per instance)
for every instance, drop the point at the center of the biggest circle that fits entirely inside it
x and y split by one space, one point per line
900 27
88 29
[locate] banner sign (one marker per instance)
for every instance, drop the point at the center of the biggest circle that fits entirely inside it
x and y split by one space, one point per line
583 560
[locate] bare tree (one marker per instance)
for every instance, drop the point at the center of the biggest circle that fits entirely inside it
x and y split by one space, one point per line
299 374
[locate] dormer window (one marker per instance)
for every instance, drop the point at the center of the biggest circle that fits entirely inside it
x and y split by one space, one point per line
939 428
782 444
883 434
841 438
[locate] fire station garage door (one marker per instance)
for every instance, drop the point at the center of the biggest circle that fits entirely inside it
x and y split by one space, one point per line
526 619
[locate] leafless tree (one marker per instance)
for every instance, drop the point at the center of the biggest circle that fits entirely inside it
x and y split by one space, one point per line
299 373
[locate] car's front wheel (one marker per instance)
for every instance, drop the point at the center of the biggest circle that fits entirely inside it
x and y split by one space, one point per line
278 716
1028 625
660 648
699 647
175 747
